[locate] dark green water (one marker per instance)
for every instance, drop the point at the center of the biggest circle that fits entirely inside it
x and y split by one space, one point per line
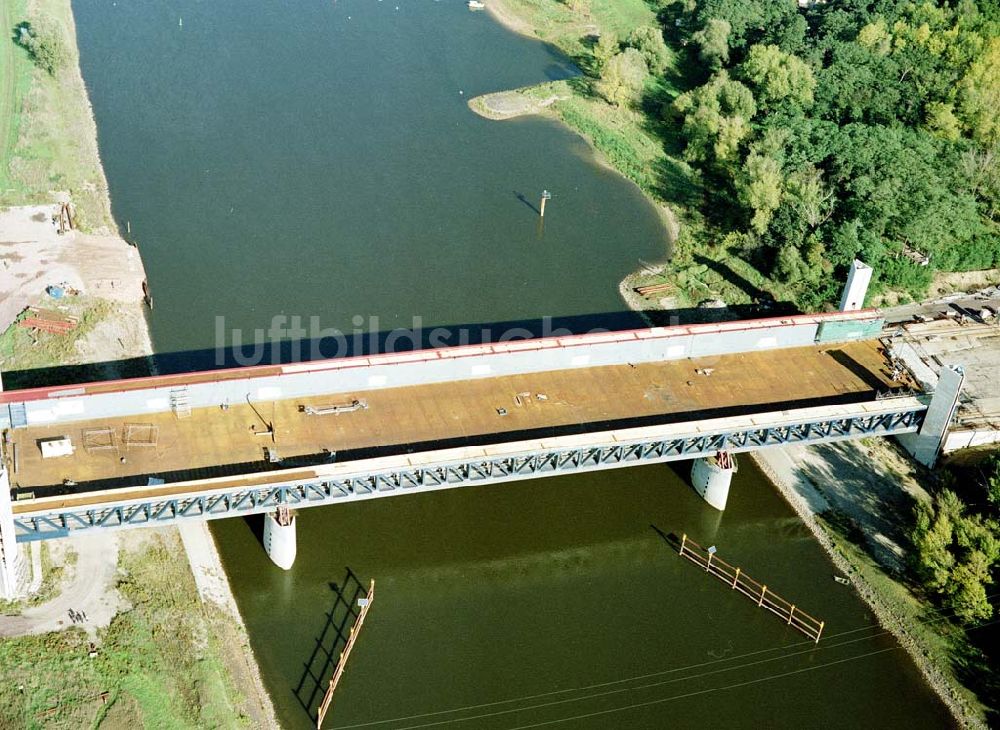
527 590
317 159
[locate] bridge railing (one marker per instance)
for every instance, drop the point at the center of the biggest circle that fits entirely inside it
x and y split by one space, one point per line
39 518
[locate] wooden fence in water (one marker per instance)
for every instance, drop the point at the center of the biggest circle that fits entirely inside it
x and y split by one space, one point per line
339 671
737 580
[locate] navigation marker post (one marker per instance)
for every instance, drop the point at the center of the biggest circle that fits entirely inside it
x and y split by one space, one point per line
546 195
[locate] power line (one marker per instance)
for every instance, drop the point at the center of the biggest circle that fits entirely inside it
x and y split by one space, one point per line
768 678
525 698
719 689
632 688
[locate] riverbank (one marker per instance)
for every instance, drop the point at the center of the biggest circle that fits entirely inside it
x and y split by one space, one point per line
122 636
623 138
888 488
642 149
48 157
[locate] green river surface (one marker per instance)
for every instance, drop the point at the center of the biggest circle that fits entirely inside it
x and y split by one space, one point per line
318 159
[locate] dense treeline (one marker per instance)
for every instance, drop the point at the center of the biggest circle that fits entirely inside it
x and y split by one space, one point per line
957 541
846 129
851 129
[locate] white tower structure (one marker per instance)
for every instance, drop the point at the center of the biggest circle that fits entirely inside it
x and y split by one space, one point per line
859 276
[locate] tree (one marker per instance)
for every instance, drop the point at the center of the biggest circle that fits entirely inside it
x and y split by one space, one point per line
967 589
604 49
750 21
955 555
980 95
932 538
809 197
43 39
649 42
981 170
623 77
716 119
778 77
993 482
713 43
941 120
861 85
760 188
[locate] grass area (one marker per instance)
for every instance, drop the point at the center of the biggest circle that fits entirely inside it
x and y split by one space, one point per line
15 76
944 643
160 663
23 349
567 24
47 134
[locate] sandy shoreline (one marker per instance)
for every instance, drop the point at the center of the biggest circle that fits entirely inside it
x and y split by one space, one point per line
502 14
107 270
783 471
781 468
213 588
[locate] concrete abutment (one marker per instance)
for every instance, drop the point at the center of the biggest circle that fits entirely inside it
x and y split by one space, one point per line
925 445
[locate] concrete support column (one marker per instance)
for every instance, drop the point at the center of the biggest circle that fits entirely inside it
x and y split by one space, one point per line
11 566
859 276
925 444
711 477
279 537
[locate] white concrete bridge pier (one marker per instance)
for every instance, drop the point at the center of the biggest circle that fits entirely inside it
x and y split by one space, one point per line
279 537
711 477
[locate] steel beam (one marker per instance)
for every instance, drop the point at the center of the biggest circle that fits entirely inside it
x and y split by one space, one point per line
405 479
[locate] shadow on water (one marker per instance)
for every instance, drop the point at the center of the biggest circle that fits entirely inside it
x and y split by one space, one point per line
256 525
262 349
523 199
670 538
331 640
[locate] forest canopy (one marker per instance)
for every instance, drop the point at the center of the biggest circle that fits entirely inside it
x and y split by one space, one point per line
845 129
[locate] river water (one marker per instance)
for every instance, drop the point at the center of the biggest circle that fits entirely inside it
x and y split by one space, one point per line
318 159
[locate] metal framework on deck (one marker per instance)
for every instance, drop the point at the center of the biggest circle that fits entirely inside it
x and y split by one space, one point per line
618 449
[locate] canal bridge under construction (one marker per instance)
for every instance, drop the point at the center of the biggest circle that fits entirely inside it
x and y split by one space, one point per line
163 449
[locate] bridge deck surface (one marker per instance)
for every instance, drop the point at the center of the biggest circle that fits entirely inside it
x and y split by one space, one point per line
458 412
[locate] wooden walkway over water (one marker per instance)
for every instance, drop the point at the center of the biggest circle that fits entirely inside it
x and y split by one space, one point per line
737 580
366 603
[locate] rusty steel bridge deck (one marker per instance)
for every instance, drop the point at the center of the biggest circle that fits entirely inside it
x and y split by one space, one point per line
429 416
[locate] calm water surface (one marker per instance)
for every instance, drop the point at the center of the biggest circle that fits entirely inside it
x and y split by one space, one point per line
318 159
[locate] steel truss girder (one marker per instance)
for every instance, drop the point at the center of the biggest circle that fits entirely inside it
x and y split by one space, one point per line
479 470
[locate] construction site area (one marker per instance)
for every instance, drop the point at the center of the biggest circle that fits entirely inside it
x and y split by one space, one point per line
960 330
67 296
251 436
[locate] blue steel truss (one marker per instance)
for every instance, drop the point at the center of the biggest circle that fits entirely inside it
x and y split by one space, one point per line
481 470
